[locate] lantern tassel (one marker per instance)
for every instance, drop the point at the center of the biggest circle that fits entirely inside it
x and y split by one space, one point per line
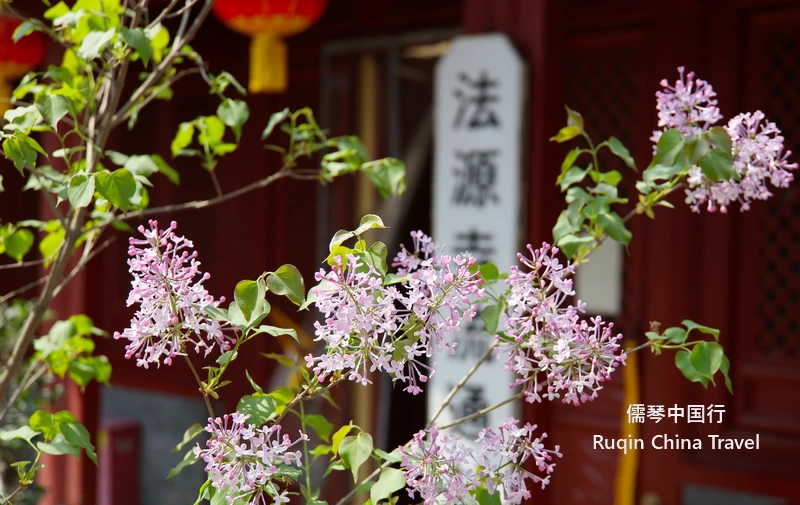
267 64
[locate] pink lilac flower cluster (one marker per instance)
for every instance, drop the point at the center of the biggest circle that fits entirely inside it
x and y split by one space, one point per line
546 344
243 460
444 469
758 158
757 146
168 287
371 327
689 106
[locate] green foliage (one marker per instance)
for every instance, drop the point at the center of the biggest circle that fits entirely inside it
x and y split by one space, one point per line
698 360
355 451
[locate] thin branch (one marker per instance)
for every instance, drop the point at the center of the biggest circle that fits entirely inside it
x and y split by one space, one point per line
199 204
24 385
182 38
482 412
85 258
200 387
167 84
461 383
22 289
163 13
23 264
305 394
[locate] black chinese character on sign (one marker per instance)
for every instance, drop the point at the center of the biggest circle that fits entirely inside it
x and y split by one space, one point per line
476 243
475 104
477 177
471 400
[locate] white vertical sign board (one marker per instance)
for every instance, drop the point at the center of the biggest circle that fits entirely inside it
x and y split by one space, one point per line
479 99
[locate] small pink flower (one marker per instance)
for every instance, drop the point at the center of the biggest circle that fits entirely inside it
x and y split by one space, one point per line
168 287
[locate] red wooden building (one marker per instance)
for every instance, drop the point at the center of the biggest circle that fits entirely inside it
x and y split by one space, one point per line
367 68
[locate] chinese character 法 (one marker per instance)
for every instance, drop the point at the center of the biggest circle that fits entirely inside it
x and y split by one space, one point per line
475 105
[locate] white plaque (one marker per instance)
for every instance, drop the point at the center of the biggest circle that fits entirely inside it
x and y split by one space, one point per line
477 181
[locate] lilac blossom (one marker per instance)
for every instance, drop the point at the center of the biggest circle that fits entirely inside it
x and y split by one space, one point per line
435 464
690 106
506 453
168 287
546 343
759 159
371 327
243 460
445 469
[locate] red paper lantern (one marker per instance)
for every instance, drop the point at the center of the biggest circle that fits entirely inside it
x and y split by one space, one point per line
267 21
17 59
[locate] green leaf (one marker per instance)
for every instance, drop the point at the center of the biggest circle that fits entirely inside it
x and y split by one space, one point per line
137 39
490 315
25 28
118 187
717 165
275 119
566 133
569 244
615 227
621 151
573 176
354 451
676 335
23 432
669 147
59 446
188 436
212 129
276 331
288 282
227 357
320 425
337 438
706 358
76 434
489 271
392 457
369 222
234 113
484 498
574 118
19 243
260 408
569 160
81 189
282 359
391 480
217 313
719 138
248 294
56 11
166 170
49 424
696 147
388 175
183 137
725 369
691 325
94 43
683 360
188 459
20 153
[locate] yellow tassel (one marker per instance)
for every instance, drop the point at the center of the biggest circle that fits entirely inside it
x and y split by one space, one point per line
5 96
267 64
628 465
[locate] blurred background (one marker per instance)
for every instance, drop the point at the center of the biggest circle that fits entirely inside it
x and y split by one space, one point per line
367 68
